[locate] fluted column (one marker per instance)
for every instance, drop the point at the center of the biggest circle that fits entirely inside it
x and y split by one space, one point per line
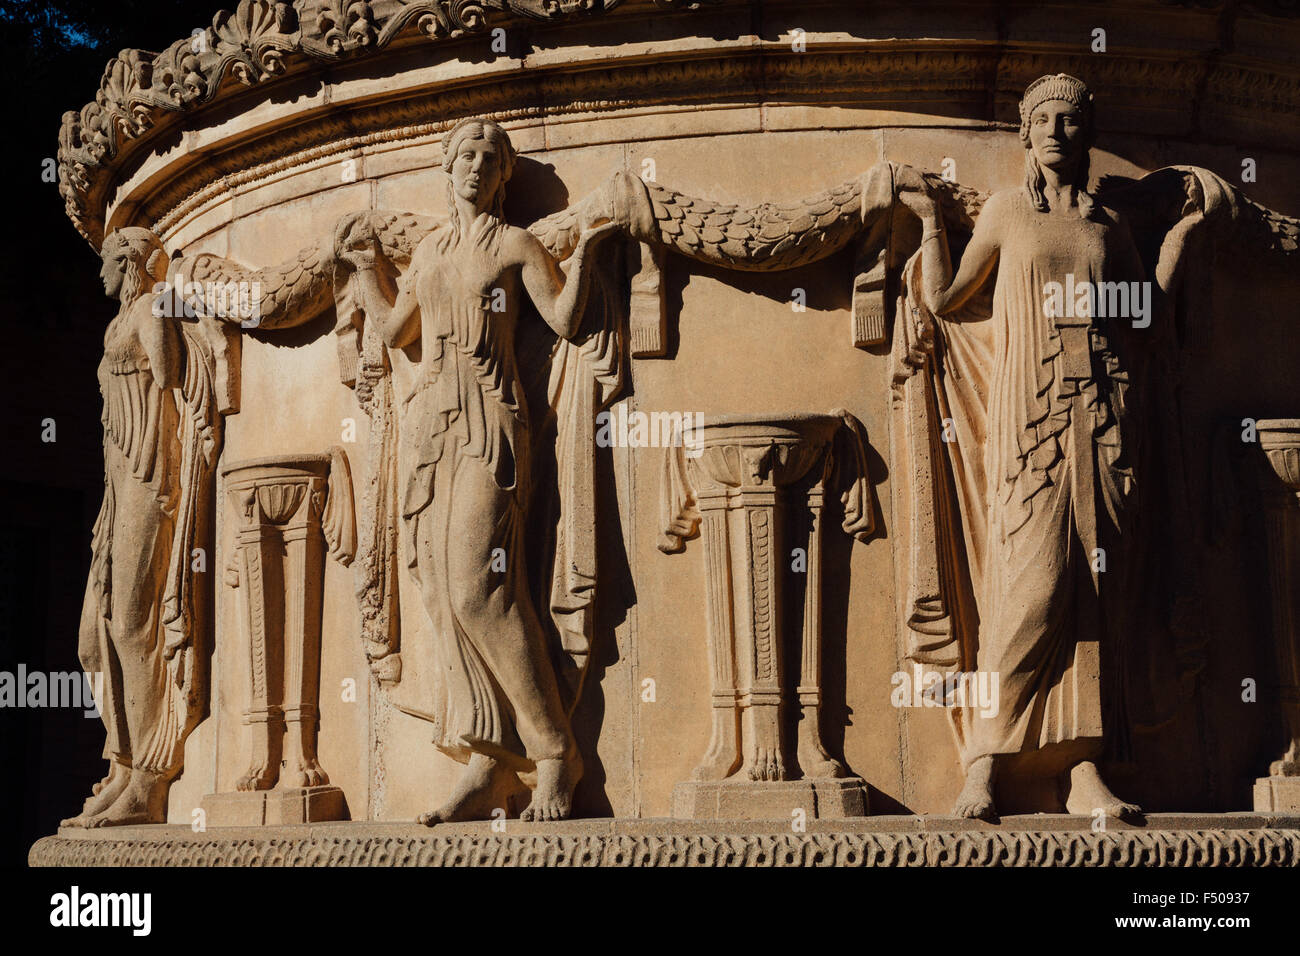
1280 441
281 524
739 486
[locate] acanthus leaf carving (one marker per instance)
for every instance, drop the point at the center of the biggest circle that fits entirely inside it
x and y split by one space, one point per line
252 41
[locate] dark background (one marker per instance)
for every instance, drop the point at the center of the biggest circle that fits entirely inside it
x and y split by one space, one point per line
53 311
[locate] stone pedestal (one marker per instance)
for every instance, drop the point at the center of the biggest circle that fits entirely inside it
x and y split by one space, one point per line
256 808
744 484
1277 795
1280 440
770 799
278 505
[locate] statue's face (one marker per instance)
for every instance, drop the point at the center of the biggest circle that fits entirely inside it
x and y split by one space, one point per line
113 270
1056 134
476 172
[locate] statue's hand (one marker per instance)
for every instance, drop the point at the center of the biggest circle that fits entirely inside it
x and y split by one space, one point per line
596 234
356 240
360 258
586 239
914 192
919 332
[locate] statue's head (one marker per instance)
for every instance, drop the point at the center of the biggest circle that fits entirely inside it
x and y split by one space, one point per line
134 260
479 158
1056 128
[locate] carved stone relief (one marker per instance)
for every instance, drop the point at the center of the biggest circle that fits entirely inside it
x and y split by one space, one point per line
1019 355
165 384
746 481
284 509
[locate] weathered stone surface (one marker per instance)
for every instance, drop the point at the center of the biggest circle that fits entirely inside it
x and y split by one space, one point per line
928 327
280 807
1222 840
824 799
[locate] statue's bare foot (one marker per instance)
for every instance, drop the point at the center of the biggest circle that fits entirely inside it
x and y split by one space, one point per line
722 759
258 777
1089 793
765 763
108 777
478 792
102 795
975 801
142 800
815 762
553 798
306 772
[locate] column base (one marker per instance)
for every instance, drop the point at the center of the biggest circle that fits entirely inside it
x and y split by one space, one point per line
742 799
1277 794
270 808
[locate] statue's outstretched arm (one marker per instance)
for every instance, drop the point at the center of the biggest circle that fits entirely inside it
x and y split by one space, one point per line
297 290
560 294
1171 208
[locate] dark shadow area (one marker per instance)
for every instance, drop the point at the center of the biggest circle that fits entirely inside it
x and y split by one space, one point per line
535 192
52 303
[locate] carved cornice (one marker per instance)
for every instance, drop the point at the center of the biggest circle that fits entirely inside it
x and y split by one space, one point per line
143 96
831 78
260 41
334 846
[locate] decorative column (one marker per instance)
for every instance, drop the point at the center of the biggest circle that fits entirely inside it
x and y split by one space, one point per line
1280 440
814 761
284 508
743 484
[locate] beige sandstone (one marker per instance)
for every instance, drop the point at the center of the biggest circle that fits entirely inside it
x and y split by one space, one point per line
477 277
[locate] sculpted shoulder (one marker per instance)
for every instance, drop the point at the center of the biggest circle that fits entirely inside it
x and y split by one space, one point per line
430 246
1003 204
521 246
142 309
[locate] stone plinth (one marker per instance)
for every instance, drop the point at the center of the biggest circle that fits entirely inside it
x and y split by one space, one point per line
275 807
1277 794
832 799
1167 840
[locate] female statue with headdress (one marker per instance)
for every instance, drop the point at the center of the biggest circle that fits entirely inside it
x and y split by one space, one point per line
463 456
1048 508
137 618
